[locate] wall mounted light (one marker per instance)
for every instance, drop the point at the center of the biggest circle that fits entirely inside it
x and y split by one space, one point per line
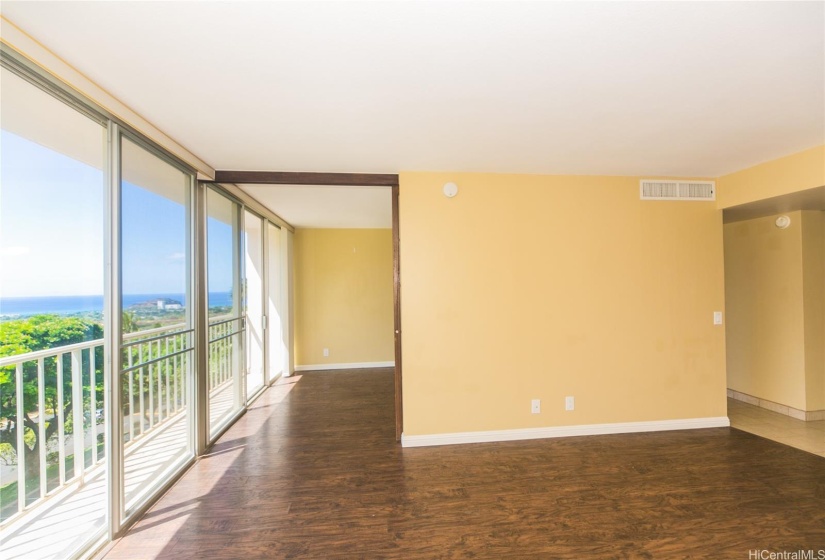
782 222
450 190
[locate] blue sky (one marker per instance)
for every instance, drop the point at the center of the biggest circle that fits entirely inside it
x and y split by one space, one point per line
51 230
51 226
154 243
219 255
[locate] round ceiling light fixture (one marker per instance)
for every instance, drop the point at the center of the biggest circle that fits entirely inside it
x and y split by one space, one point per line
782 222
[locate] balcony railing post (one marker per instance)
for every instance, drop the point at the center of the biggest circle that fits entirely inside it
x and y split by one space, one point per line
175 362
227 352
21 442
159 374
61 424
213 352
92 406
141 402
78 433
41 425
181 375
166 378
151 390
226 360
131 398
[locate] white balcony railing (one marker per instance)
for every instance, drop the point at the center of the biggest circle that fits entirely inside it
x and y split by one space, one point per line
154 385
154 378
222 331
53 488
32 442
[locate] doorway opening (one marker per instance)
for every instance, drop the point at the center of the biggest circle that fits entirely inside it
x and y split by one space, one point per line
346 269
775 328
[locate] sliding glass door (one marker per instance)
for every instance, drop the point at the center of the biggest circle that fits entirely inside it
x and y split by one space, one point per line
254 300
275 345
111 373
226 319
52 371
157 341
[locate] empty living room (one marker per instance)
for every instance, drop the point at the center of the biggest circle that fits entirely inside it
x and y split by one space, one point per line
412 280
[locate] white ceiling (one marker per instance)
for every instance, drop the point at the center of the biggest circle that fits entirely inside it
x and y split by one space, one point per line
640 88
326 206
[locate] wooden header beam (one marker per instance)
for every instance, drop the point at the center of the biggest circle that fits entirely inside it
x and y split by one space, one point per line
303 178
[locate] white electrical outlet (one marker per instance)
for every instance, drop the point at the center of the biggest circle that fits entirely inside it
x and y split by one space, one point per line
326 352
717 317
535 406
569 403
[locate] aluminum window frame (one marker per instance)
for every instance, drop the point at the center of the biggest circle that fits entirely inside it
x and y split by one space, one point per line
117 519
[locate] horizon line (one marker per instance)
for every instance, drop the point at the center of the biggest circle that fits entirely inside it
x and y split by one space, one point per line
149 294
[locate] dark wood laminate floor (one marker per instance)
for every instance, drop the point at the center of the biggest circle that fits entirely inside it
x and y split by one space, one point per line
313 471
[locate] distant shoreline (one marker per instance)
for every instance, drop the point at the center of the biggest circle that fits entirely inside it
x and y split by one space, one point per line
21 307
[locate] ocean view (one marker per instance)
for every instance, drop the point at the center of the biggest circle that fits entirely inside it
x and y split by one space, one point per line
64 305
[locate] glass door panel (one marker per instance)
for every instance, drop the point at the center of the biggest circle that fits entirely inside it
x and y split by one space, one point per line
254 276
226 392
157 338
51 324
275 349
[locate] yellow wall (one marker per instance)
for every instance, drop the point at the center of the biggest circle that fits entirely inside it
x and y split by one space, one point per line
526 287
813 282
343 296
797 172
764 299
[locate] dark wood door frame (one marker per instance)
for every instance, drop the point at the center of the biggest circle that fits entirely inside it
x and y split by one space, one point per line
303 178
345 180
396 298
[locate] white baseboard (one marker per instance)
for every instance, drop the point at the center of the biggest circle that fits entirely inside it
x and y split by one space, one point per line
804 415
563 431
351 365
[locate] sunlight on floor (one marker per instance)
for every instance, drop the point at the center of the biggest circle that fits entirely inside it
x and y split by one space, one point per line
186 496
282 387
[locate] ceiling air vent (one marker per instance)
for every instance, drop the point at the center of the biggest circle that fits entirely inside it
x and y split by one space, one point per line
677 190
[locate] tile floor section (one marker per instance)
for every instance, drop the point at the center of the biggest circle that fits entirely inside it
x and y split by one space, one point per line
808 436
